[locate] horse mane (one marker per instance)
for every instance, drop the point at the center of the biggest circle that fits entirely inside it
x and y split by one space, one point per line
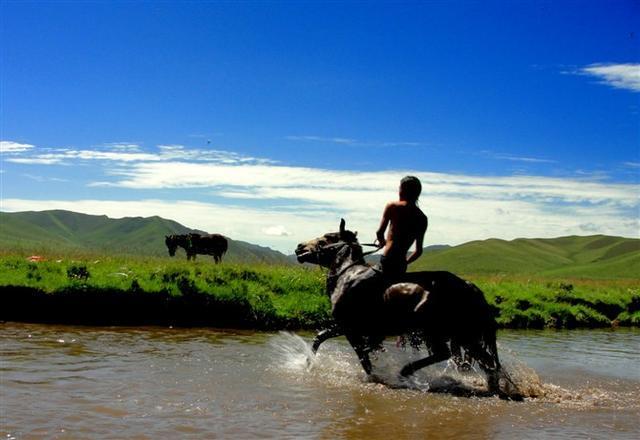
357 254
350 249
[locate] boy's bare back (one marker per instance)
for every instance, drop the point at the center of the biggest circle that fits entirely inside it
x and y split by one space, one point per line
407 224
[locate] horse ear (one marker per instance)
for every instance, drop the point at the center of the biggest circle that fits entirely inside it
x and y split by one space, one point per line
342 222
355 233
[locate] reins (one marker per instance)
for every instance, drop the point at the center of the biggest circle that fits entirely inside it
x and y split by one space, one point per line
376 246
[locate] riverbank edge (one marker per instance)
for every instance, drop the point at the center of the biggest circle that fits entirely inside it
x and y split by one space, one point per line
85 305
117 307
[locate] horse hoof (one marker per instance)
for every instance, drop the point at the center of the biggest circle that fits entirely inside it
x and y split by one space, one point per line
374 378
513 397
406 372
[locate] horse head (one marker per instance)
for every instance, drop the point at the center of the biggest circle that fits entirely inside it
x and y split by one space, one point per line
172 244
324 249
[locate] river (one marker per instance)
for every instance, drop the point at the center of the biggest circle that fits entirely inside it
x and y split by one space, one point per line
148 383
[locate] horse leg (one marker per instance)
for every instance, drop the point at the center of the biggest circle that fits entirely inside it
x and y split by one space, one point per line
359 346
488 360
323 335
461 361
440 353
483 349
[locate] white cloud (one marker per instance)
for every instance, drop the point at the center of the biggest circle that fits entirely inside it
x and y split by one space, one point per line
124 146
524 159
278 231
14 147
182 153
277 205
38 178
131 153
503 156
352 187
353 142
110 156
35 160
621 76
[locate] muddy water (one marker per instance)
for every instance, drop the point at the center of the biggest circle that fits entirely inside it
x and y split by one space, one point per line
81 382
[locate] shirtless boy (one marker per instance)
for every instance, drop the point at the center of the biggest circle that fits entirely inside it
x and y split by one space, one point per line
408 224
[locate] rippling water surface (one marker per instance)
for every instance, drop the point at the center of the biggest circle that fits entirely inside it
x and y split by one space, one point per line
71 382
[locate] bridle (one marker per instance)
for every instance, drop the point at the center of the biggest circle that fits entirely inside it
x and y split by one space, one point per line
341 244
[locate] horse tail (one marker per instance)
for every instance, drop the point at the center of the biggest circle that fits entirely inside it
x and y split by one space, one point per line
487 326
509 388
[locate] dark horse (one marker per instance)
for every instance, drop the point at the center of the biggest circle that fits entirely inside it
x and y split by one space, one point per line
212 244
438 309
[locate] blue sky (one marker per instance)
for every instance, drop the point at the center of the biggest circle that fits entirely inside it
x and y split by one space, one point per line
267 121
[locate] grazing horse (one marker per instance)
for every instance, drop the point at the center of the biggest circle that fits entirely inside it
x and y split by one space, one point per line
437 309
193 244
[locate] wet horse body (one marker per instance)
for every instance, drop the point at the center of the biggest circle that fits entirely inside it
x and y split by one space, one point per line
438 309
193 244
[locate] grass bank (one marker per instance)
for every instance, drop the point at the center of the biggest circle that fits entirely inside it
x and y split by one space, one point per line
562 303
111 290
161 291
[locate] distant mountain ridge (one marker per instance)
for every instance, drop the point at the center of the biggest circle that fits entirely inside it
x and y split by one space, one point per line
597 256
58 229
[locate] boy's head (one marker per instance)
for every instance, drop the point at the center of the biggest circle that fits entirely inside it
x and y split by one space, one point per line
410 188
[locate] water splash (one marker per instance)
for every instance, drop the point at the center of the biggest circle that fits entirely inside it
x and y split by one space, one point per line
292 352
522 377
337 366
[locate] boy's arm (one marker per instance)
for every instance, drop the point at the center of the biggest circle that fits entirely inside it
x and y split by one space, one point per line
383 226
419 243
417 252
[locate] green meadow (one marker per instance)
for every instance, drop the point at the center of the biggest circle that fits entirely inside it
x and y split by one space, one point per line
258 296
561 302
93 289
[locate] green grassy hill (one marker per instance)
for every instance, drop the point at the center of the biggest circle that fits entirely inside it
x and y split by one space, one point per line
595 256
57 230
